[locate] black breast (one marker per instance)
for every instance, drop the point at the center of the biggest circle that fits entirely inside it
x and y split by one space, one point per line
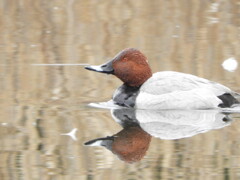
126 95
227 100
126 117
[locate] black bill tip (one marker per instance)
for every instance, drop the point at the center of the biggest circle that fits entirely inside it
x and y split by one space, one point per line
88 143
90 68
99 141
100 69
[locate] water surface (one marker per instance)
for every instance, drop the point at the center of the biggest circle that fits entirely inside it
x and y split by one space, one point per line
40 103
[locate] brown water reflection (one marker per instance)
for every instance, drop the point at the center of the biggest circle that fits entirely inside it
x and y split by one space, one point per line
40 103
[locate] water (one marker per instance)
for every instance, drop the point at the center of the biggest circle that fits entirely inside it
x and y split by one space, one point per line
42 100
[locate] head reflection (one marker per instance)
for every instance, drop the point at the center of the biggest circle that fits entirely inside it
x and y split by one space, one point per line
132 142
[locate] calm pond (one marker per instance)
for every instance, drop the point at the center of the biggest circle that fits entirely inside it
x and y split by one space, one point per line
45 90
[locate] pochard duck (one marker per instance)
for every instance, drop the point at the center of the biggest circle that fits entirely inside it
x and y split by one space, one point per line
162 90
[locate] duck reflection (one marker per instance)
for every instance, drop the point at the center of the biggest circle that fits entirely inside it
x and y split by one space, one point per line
132 142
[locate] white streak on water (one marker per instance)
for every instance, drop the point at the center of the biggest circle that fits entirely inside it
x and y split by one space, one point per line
72 134
83 64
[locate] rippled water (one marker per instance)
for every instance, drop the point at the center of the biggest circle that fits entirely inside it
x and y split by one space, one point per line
45 91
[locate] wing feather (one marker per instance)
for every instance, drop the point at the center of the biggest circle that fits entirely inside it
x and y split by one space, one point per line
170 81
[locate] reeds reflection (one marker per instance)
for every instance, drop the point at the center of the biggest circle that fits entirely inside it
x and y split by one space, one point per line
132 142
40 103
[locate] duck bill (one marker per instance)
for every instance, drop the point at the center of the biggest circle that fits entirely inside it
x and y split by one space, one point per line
104 68
106 142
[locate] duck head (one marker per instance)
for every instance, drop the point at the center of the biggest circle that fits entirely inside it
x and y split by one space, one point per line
129 65
130 144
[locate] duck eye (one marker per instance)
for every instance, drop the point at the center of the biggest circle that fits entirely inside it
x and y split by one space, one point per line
104 65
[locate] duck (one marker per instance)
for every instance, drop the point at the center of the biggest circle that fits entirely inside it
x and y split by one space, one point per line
142 89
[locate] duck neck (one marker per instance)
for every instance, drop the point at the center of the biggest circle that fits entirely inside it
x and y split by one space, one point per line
126 95
138 78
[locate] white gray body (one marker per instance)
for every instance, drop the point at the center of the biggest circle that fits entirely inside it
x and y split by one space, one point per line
179 124
174 90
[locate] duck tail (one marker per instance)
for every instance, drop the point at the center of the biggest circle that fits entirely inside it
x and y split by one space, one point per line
236 96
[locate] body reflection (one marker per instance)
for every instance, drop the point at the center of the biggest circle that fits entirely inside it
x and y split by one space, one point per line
131 143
